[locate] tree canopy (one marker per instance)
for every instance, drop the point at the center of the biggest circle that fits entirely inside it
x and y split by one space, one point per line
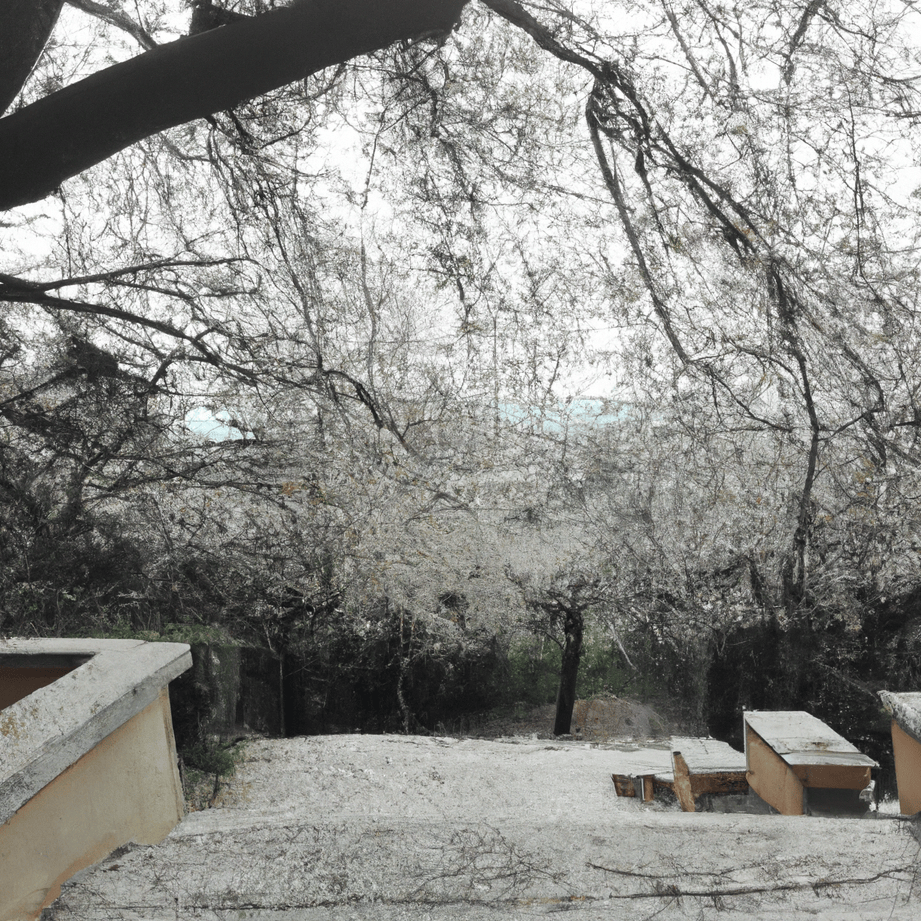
394 246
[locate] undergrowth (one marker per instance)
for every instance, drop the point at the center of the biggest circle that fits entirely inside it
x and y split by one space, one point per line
206 767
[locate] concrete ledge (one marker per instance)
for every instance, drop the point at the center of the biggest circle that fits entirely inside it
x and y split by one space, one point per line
799 765
45 733
905 709
87 759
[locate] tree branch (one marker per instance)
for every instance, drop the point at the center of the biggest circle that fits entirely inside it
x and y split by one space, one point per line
671 891
16 290
89 121
24 29
118 19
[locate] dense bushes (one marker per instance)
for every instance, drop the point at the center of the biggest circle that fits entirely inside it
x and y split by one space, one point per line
384 672
827 663
531 673
386 668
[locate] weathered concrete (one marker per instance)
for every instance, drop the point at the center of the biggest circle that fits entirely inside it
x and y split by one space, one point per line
87 761
17 682
396 827
48 731
906 711
799 765
906 745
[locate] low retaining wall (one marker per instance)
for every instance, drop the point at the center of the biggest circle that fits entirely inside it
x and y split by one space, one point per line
87 759
905 709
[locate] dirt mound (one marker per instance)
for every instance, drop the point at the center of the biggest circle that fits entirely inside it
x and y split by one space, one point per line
604 718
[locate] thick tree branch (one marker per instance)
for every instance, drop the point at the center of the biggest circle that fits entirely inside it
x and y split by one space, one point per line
611 180
514 13
24 29
16 290
797 38
83 124
115 274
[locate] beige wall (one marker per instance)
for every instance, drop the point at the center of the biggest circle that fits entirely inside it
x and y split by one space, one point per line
771 777
907 769
125 789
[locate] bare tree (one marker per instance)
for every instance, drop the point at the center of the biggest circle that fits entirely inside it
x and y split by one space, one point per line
69 131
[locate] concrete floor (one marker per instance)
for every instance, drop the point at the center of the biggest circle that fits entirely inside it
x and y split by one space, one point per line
402 827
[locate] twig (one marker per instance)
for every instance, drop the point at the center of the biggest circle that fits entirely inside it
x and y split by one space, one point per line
672 891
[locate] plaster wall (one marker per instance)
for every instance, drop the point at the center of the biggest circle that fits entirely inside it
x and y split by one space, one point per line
126 788
771 777
907 752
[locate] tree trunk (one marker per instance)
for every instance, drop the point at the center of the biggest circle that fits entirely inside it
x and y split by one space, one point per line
83 124
569 672
24 29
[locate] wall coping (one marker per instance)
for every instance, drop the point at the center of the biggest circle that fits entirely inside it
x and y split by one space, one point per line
45 733
905 709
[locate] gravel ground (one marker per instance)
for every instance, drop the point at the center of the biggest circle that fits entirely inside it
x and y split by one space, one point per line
437 828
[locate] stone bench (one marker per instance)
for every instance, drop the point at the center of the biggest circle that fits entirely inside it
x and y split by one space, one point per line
698 767
798 765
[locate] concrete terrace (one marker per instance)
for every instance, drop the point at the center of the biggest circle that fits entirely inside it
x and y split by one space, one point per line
403 827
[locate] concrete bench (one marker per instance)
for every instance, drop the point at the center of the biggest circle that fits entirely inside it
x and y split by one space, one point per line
87 759
799 765
698 767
